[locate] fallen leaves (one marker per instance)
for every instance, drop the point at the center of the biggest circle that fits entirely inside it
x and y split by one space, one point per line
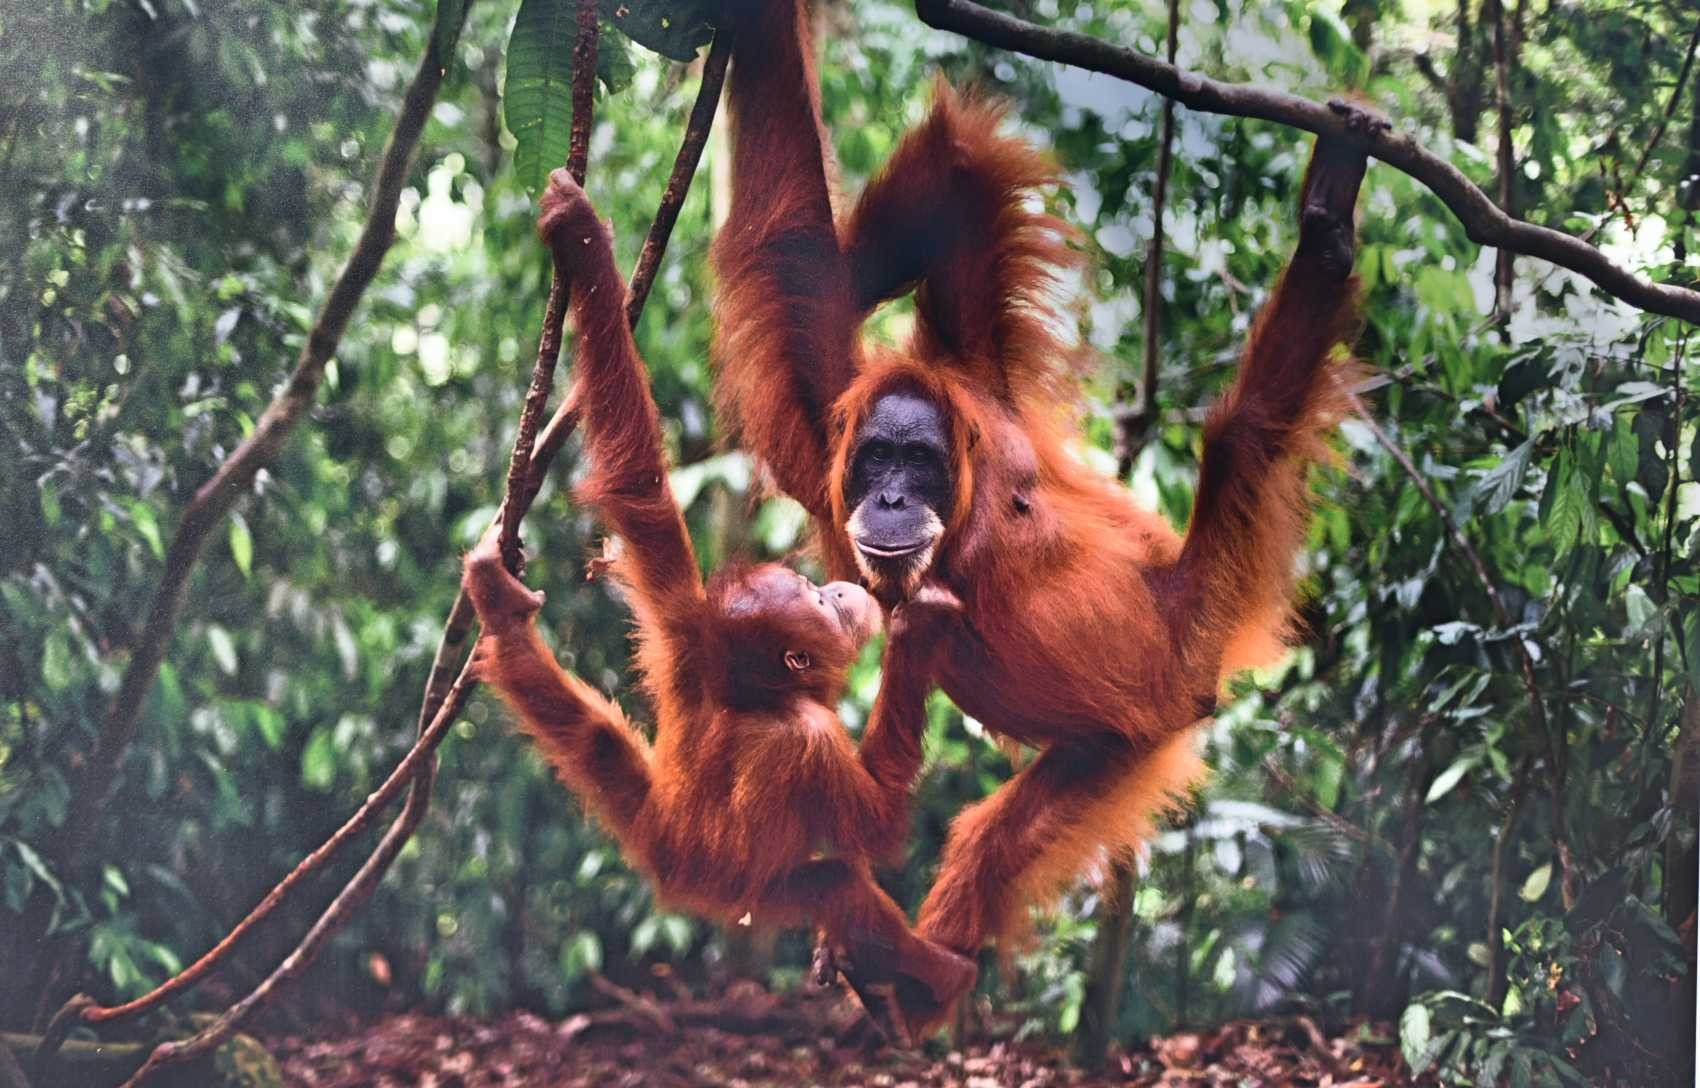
749 1038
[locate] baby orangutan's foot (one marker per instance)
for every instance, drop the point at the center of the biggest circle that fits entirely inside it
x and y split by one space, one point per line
908 996
930 984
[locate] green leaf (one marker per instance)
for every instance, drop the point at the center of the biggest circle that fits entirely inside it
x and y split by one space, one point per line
161 955
1614 969
537 98
1535 885
32 861
1069 1018
271 725
1331 41
122 969
1635 393
1625 453
347 649
56 661
1640 610
50 511
241 544
223 648
581 953
1500 483
147 524
318 761
1414 1033
1521 378
1451 776
614 65
645 934
1568 506
1330 773
674 28
676 928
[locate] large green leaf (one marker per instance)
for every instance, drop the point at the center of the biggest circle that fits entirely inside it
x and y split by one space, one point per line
1501 481
1567 509
537 98
673 28
1451 776
1415 1026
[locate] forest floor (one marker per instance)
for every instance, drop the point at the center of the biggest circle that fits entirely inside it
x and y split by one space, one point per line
749 1038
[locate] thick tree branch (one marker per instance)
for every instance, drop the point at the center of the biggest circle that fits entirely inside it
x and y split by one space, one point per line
1485 223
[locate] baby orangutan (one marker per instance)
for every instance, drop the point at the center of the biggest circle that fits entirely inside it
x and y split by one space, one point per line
752 800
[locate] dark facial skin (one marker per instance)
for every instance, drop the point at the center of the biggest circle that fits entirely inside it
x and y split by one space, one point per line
899 483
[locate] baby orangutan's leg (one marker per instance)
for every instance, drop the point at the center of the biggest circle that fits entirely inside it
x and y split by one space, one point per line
870 942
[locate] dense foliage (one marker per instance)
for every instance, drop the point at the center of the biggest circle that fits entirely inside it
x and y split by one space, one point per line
1461 806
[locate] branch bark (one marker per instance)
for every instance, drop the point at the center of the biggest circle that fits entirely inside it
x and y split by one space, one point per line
1483 222
555 310
684 169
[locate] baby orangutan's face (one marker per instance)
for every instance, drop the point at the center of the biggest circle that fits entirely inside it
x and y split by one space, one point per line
844 609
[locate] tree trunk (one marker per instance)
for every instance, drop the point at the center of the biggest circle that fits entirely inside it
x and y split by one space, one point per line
1374 997
1106 969
1504 59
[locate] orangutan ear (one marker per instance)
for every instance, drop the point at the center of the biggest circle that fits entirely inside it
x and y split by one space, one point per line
797 660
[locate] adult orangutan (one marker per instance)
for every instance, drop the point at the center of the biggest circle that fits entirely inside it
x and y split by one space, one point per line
1093 631
753 800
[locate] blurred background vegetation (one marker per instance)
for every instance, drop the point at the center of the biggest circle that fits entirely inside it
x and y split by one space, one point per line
1465 808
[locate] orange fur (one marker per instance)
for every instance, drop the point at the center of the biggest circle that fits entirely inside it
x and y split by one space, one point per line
1094 631
752 774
